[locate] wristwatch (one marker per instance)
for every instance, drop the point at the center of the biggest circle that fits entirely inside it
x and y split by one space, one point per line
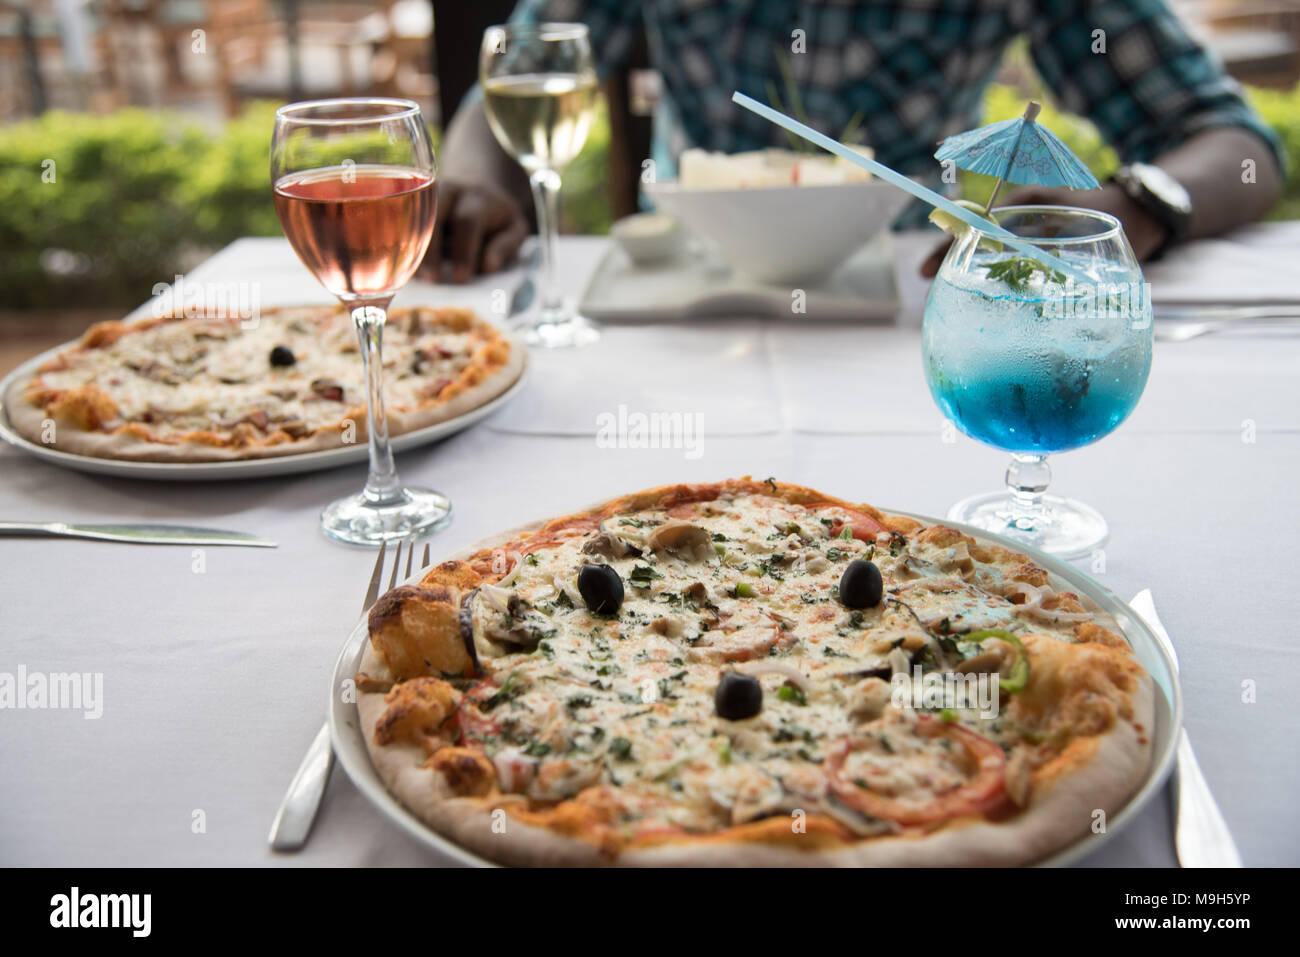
1160 196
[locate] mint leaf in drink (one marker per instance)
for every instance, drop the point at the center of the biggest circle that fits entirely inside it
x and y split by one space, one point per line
1017 272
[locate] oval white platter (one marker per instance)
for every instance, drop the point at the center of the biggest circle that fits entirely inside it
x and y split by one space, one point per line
350 747
248 468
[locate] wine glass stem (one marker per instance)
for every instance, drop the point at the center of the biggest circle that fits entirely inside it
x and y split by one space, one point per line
546 192
1027 479
382 487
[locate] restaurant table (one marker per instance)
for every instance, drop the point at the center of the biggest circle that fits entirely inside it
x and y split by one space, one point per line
216 672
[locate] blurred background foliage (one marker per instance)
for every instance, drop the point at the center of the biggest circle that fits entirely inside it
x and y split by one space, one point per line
135 196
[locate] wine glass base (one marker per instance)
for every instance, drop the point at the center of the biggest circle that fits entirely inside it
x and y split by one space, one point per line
356 520
566 331
1070 529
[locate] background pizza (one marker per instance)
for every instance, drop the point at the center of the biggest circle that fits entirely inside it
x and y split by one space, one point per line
197 389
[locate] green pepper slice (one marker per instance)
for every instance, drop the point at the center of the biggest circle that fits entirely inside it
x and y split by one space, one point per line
1019 675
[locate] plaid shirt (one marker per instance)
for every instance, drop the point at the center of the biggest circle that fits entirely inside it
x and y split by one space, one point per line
914 72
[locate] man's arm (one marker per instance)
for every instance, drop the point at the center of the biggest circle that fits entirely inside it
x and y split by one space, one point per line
1212 167
1159 97
483 195
1208 165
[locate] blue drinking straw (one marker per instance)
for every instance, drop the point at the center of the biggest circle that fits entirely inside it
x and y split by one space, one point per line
893 177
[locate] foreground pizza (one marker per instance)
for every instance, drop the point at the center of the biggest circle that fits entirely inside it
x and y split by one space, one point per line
750 673
202 390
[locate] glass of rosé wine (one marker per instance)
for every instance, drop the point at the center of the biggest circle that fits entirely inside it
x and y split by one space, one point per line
355 189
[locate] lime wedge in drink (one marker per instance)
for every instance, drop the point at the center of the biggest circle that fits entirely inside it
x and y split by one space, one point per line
953 226
949 223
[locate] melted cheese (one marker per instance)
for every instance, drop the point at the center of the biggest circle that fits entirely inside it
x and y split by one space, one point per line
628 699
183 376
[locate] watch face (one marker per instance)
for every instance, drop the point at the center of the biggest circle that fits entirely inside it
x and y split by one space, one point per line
1163 186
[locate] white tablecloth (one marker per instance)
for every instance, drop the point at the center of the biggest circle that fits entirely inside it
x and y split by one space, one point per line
214 682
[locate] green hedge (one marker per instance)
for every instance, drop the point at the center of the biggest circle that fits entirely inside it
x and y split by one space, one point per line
137 195
134 195
1281 110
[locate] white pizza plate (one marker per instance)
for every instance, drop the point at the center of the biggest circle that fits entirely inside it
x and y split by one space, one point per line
350 747
249 468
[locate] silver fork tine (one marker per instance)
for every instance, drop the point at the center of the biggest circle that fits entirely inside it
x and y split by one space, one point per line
410 559
426 556
397 567
372 592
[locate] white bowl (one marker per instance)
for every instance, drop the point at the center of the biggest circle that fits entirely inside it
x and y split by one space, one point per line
647 238
784 234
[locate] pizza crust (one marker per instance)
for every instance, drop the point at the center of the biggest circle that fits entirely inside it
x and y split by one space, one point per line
28 420
1065 805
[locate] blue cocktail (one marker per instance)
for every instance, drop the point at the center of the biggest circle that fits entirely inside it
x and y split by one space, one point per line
1031 359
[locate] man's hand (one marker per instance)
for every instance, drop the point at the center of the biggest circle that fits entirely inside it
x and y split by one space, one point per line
1145 233
479 228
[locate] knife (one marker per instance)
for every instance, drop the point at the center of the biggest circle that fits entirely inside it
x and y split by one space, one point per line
1201 836
138 534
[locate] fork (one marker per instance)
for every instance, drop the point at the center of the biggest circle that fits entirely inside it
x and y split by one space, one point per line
297 812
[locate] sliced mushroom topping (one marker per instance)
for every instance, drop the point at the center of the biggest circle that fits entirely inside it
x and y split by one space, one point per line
682 539
759 798
869 698
492 622
296 428
986 662
880 669
622 527
155 370
816 563
562 778
668 626
958 561
328 389
609 546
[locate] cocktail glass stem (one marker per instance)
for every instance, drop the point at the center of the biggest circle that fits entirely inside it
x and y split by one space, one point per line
382 487
546 192
1027 479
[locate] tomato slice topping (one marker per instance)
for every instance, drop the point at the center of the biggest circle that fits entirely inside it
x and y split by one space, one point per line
983 794
862 526
688 494
470 721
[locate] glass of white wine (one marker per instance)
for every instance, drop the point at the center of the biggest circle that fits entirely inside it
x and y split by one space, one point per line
539 94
